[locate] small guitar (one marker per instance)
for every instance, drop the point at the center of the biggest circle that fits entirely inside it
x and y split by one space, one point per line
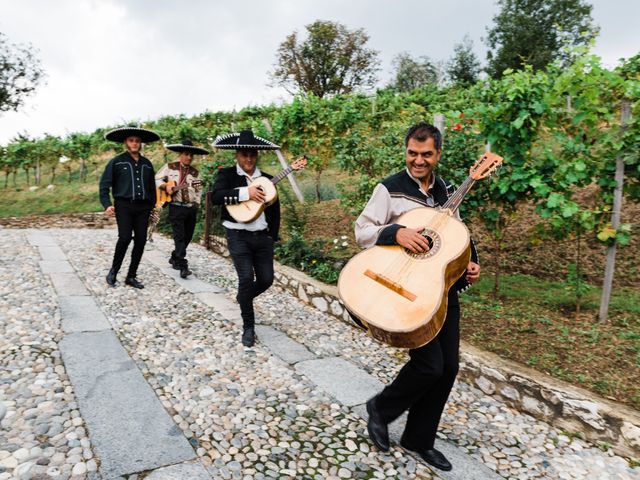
249 210
162 197
401 296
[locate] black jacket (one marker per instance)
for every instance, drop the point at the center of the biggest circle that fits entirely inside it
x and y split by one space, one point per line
127 180
225 191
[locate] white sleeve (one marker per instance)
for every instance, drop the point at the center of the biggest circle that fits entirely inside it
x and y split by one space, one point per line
374 218
243 194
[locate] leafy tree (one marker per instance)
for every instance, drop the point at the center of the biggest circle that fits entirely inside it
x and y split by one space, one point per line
537 32
331 60
20 74
464 67
411 73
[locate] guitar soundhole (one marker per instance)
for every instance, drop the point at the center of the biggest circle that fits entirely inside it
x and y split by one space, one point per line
434 245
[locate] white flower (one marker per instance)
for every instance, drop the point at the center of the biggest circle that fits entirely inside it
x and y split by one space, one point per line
344 244
335 240
343 237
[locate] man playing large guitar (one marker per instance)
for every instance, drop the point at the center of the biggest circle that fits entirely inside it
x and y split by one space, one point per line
423 385
180 181
250 243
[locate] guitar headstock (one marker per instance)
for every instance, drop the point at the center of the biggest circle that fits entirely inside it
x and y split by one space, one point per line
300 163
485 166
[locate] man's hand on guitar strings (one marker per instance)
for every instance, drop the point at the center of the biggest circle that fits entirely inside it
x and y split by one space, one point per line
256 194
412 240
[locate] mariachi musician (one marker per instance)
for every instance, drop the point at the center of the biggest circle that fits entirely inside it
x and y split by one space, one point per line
180 180
250 244
130 178
423 385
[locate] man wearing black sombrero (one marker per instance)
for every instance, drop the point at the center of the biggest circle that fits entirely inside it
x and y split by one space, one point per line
180 180
250 244
130 177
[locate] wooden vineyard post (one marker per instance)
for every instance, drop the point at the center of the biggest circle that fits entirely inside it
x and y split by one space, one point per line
438 122
283 162
207 222
615 220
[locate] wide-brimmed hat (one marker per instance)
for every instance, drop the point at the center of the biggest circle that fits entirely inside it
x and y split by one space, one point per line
187 146
243 140
121 134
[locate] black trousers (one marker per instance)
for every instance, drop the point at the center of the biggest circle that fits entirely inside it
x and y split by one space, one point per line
423 385
132 219
252 254
183 223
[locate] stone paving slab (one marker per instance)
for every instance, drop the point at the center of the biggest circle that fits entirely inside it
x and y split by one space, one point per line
341 379
282 346
41 239
56 266
68 284
221 304
52 253
81 314
465 467
129 428
191 471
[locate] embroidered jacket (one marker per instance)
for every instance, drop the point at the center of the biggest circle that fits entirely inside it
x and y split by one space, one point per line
128 180
228 189
171 173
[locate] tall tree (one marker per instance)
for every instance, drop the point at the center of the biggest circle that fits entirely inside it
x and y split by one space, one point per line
537 32
331 60
464 67
20 74
411 73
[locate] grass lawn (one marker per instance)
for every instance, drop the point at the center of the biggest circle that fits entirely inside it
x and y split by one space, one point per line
62 198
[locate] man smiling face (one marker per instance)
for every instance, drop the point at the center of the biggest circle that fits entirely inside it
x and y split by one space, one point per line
422 158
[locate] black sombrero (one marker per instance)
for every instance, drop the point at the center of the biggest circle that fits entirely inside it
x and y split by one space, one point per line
243 140
121 134
187 146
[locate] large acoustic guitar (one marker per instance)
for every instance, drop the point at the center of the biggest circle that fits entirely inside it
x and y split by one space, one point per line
400 296
249 210
163 197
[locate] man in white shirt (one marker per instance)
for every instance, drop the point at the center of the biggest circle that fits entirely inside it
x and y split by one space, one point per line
250 244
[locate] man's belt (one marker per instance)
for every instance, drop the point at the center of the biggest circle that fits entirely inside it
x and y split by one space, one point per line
184 204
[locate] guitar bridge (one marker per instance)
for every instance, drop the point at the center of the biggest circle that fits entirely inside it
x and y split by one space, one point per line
391 285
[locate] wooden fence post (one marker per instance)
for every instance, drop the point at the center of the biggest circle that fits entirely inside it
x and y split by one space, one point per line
438 122
207 222
615 220
284 164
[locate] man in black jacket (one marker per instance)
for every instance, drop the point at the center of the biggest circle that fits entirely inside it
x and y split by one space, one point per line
250 244
130 177
423 385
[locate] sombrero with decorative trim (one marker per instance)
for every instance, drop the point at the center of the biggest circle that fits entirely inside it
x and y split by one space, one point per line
187 146
121 134
243 140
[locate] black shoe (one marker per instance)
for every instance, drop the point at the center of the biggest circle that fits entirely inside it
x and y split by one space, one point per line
433 457
248 337
172 261
175 266
378 431
185 272
111 277
132 282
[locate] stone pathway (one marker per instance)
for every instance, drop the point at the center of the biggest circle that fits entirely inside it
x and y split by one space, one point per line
103 382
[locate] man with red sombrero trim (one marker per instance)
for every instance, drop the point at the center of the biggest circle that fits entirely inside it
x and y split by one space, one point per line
130 178
185 188
250 244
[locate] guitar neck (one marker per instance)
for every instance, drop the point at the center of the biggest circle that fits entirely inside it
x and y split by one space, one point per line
455 200
282 175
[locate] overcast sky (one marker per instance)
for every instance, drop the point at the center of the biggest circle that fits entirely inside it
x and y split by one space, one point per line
113 61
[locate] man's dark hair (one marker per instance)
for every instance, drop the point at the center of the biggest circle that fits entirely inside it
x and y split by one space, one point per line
422 131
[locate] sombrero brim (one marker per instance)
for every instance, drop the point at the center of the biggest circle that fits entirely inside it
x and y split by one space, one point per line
231 141
178 147
121 134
